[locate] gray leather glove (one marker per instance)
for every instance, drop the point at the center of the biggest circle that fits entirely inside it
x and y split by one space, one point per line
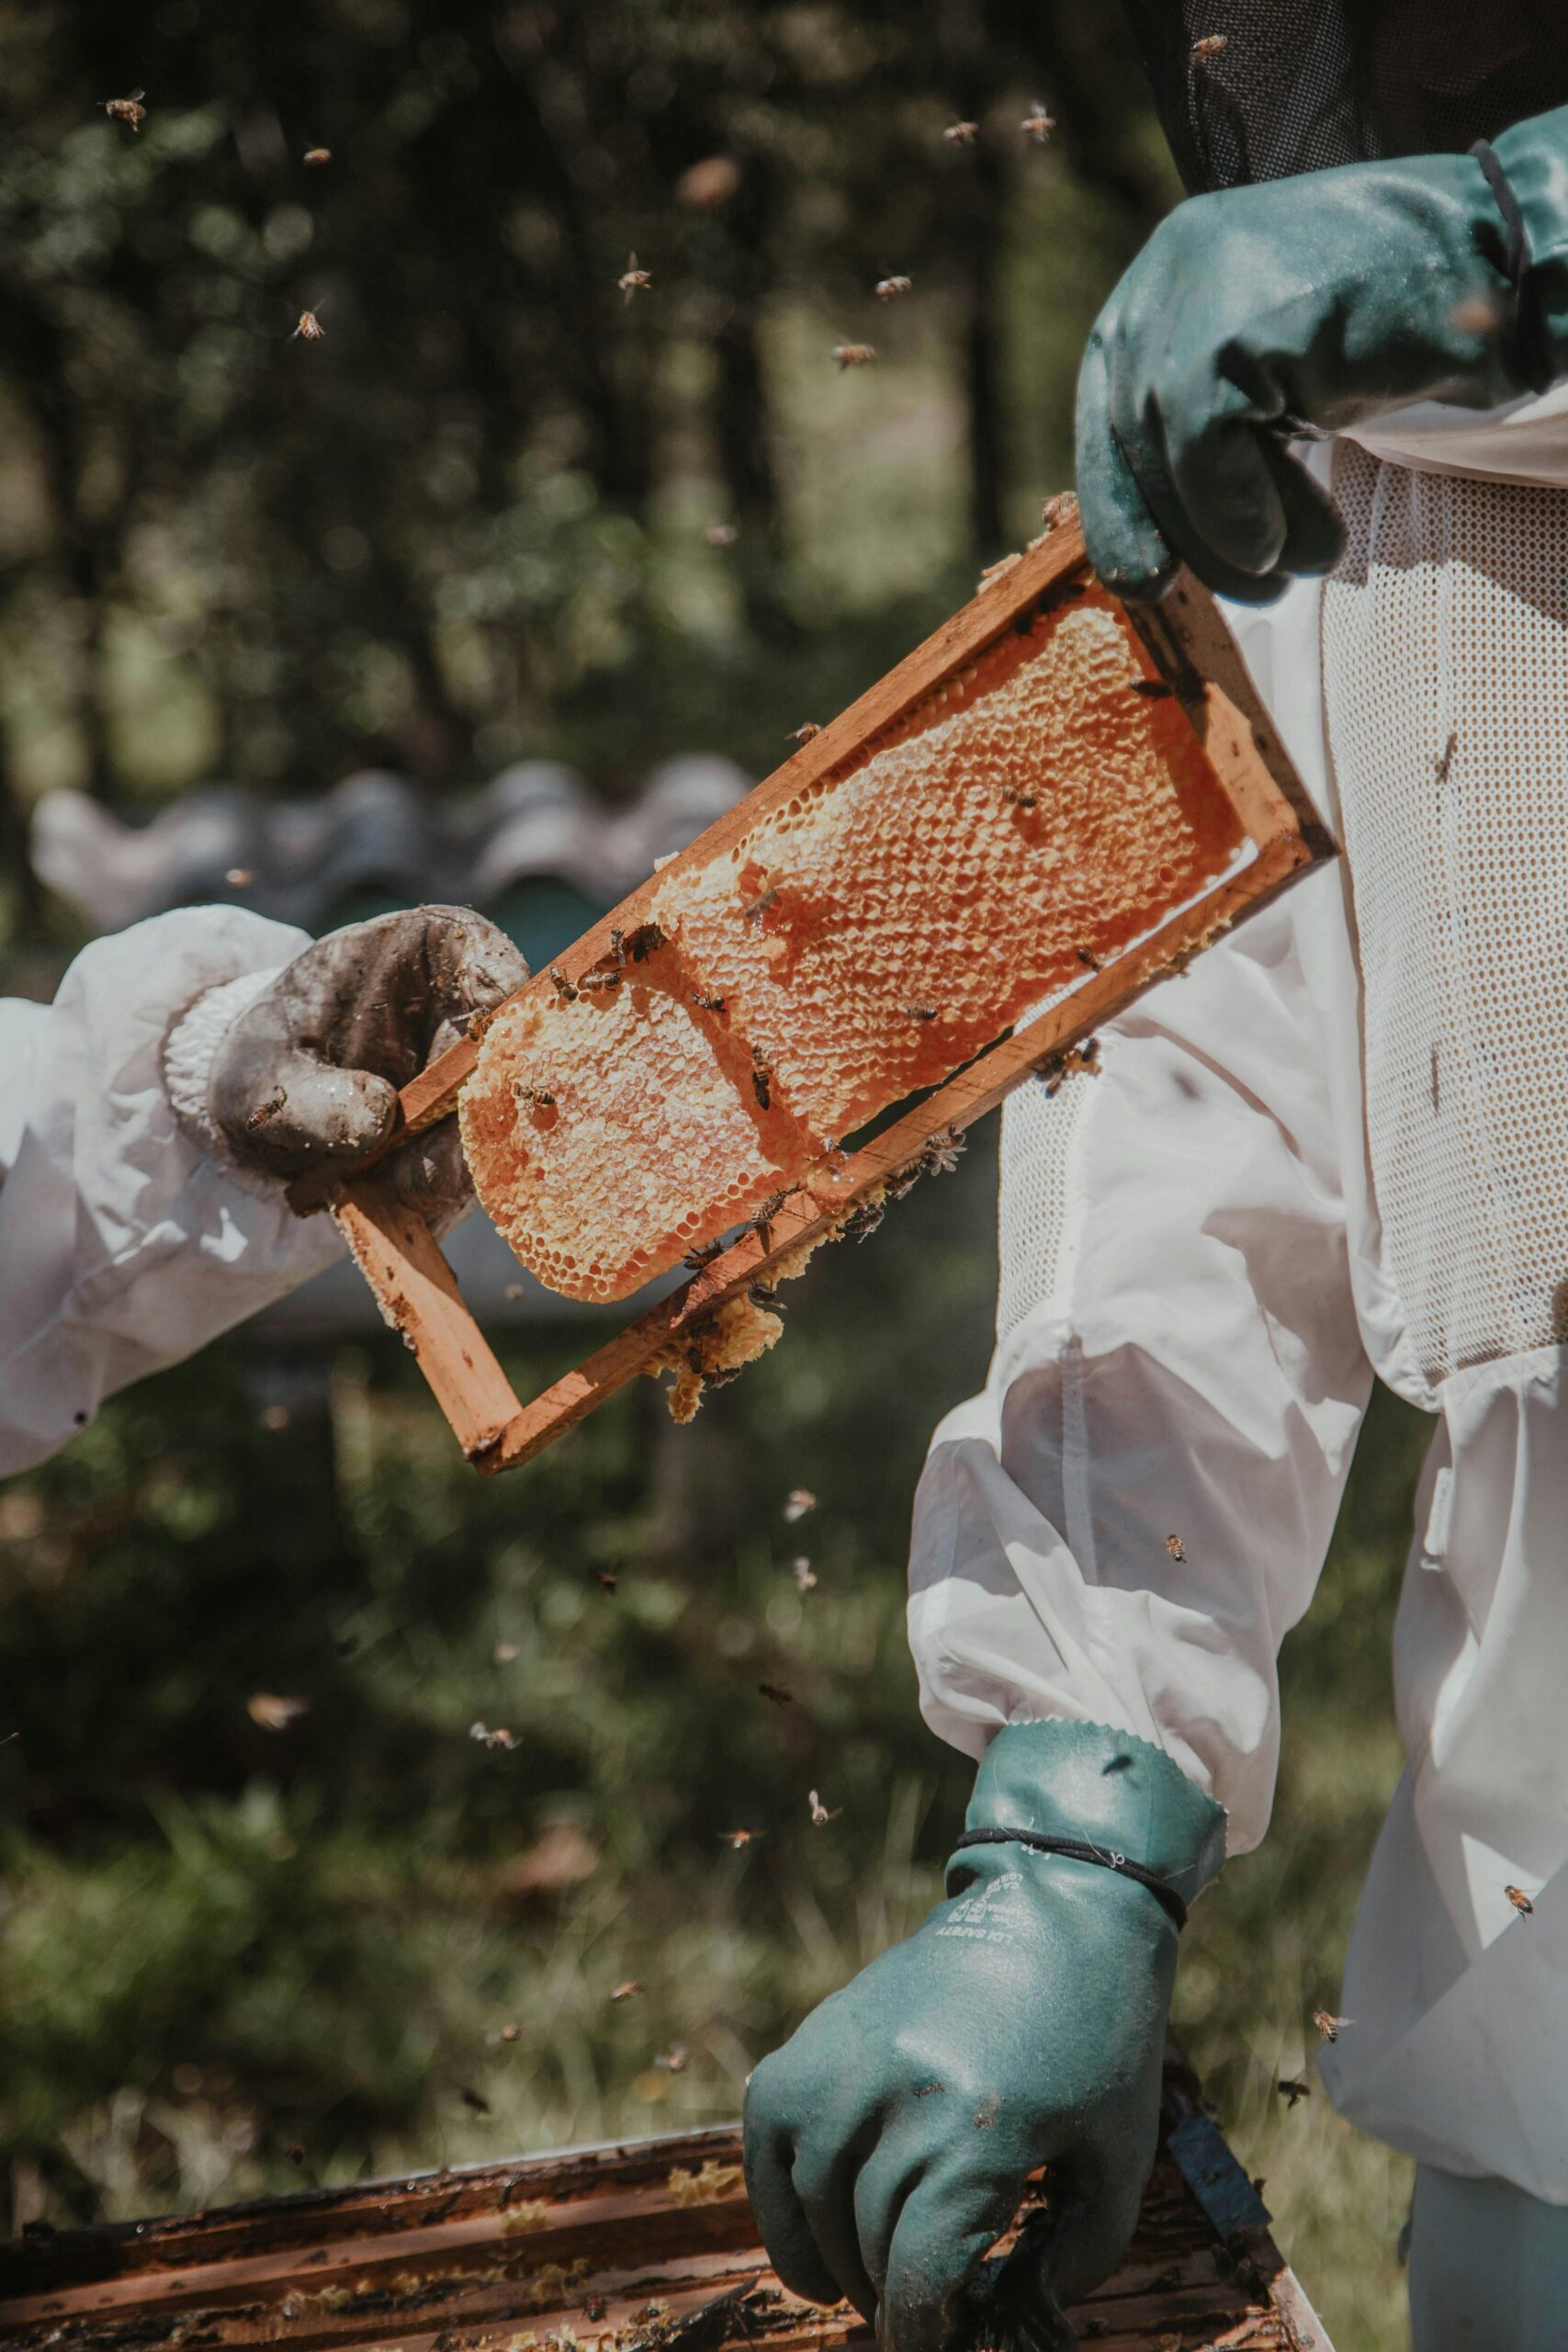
308 1076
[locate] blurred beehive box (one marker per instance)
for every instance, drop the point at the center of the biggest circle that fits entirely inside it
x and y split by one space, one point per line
648 2246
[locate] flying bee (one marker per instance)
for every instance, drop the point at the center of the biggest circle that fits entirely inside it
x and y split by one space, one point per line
1176 1547
705 1004
777 1693
564 988
805 1576
1037 124
803 734
676 2061
1329 2026
820 1816
317 155
1519 1900
1210 45
1293 2091
310 329
853 354
130 110
799 1500
265 1111
739 1839
721 535
624 1992
499 1737
633 281
886 288
962 134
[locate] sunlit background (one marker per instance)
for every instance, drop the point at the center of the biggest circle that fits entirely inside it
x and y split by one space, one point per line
497 560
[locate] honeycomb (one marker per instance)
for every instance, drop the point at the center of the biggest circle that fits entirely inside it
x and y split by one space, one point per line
1026 822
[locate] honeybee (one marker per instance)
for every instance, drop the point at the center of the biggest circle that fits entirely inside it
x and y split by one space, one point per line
563 987
739 1839
1062 508
1019 799
538 1095
1037 124
777 1693
618 947
803 734
1087 956
862 1222
265 1111
1293 2091
820 1816
721 535
758 906
805 1576
1329 2026
130 110
624 1992
705 1004
676 2061
962 134
704 1256
1210 45
1519 1900
942 1151
886 288
799 1500
310 329
643 942
1176 1547
314 155
761 1081
1153 689
765 1299
922 1011
853 354
633 280
499 1737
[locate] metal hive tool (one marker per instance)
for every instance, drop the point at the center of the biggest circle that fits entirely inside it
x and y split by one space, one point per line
646 2247
1051 803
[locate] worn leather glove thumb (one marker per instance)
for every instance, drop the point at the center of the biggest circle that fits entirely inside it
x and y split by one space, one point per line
887 2145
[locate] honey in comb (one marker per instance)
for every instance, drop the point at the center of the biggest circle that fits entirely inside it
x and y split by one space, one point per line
865 939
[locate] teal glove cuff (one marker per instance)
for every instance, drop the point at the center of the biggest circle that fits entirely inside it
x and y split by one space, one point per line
1104 1788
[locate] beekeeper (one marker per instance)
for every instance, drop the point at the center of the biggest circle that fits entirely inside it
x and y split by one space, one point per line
151 1116
1338 1148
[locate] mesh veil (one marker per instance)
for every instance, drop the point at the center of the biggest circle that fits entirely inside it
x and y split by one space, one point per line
1259 89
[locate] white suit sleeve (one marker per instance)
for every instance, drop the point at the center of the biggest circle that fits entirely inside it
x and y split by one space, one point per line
124 1244
1128 1521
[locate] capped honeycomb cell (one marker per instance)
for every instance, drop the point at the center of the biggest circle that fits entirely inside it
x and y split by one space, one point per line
1022 825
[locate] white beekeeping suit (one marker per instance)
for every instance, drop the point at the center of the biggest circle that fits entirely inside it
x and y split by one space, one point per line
124 1244
1338 1146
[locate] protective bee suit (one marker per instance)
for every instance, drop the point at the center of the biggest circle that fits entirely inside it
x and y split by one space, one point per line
1336 1148
151 1116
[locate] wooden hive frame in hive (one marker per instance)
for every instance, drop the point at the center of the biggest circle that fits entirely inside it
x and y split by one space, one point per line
649 2247
1188 651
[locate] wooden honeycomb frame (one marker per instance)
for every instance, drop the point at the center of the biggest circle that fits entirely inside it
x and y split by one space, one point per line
649 2247
1192 650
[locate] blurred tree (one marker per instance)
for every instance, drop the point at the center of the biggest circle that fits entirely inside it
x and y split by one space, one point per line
411 539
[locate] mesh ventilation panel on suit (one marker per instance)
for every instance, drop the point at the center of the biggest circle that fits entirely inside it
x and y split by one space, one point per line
1028 820
1446 678
1036 1197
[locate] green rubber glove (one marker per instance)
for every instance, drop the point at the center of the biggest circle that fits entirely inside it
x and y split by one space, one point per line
1319 302
887 2144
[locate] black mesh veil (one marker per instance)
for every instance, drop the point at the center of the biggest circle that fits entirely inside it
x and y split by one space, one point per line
1259 89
